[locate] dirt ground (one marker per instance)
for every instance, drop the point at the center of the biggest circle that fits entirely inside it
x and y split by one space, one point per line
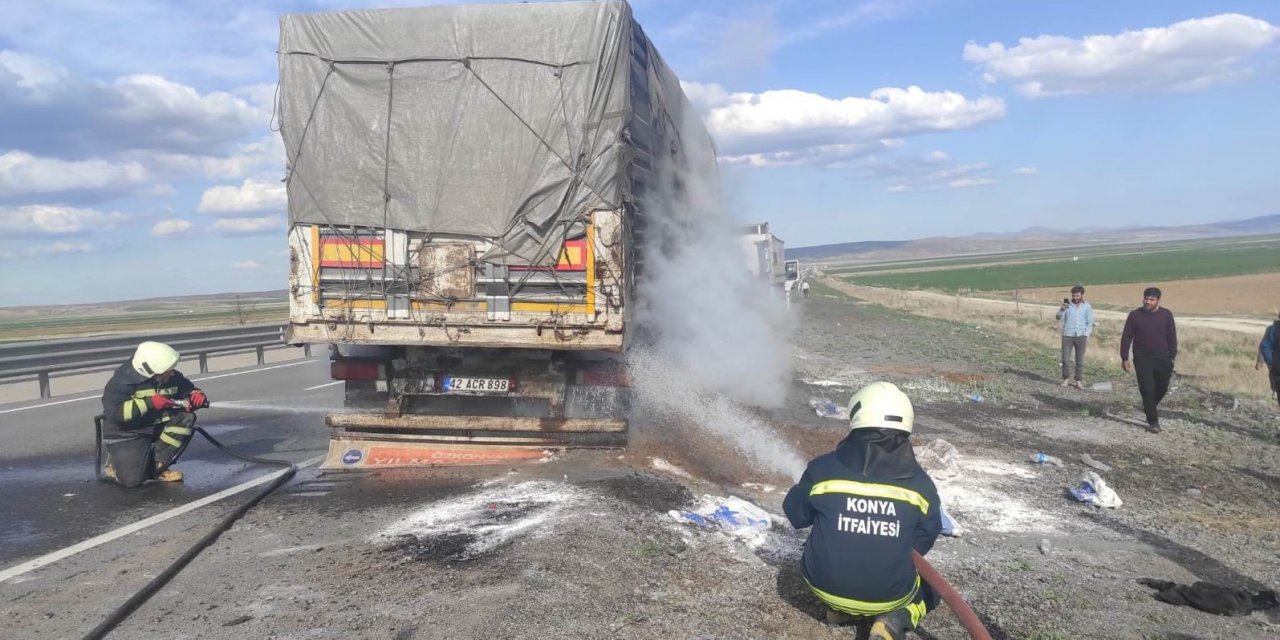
582 546
1255 296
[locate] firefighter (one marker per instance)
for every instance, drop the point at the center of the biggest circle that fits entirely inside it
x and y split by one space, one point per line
870 504
144 429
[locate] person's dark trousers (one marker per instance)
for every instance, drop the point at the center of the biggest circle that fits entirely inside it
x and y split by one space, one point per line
138 455
1076 344
1153 374
1275 380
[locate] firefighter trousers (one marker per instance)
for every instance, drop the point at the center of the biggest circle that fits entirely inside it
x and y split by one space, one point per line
138 455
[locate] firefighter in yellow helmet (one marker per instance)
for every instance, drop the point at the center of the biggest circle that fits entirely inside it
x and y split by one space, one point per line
144 429
869 505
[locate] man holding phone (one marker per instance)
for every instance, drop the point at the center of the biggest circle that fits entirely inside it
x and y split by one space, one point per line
1077 325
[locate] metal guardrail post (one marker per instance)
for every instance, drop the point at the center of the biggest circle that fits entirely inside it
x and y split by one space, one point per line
42 360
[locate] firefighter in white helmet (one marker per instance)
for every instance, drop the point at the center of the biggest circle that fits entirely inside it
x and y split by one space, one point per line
144 430
870 504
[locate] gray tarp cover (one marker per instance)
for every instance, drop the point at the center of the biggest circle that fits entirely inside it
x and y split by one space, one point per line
499 121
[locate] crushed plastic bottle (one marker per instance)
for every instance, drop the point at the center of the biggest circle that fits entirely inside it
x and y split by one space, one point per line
1100 386
975 397
1044 458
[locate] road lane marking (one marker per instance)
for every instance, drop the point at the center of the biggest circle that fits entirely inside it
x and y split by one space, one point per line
50 558
321 386
223 375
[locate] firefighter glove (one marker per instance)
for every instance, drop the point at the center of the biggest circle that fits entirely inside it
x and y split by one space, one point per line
159 402
198 400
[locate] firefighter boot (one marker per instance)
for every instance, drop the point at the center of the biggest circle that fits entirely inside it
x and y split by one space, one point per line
169 475
891 626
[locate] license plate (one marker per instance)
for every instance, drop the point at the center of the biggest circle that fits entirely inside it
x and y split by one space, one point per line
475 385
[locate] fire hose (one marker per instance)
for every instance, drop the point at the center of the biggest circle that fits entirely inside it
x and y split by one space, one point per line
949 595
121 613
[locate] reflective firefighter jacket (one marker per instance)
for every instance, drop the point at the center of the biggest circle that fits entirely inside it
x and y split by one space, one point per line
124 400
869 504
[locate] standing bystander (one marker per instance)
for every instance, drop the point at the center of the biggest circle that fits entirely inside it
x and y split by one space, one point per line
1077 325
1151 332
1269 355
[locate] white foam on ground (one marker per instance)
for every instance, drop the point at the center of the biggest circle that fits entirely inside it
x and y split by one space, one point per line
976 503
539 503
824 383
662 465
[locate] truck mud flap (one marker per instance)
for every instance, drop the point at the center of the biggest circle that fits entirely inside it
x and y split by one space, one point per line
359 440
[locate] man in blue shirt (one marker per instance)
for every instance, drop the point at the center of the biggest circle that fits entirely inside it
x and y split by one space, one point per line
1077 325
1267 351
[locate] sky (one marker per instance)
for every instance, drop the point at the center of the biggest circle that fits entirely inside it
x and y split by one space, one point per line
138 157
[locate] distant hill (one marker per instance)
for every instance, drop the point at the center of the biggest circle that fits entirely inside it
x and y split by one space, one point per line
1027 239
822 252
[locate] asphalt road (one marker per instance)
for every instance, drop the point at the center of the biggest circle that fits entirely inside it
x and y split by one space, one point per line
47 486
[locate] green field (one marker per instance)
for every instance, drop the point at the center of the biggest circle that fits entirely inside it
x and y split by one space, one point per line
1123 265
70 322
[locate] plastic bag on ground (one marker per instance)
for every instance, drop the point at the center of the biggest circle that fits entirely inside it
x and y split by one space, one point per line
939 458
1094 490
733 515
828 409
949 526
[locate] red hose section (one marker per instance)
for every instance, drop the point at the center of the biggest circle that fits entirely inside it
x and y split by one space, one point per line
961 608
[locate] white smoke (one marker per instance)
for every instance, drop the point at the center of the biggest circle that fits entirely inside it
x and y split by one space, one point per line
715 337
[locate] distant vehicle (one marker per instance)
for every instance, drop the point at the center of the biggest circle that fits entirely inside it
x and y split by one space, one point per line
763 252
791 274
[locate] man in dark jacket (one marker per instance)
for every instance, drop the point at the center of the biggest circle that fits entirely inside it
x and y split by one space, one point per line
1154 337
144 429
870 505
1269 355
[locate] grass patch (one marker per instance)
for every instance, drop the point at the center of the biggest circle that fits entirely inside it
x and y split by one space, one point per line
1029 339
1119 268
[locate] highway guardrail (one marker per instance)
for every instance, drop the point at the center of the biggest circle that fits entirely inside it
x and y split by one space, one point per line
41 359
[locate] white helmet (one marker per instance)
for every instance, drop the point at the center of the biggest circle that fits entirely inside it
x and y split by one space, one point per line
881 405
154 358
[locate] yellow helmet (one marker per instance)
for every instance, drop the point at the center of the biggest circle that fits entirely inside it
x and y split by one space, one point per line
881 405
154 358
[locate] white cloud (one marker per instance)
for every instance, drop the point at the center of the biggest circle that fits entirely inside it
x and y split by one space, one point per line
54 220
930 171
172 227
24 174
797 127
1185 56
964 183
255 158
249 226
60 248
60 114
1025 171
248 265
251 195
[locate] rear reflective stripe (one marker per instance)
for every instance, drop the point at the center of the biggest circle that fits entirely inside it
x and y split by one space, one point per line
862 607
870 490
917 611
132 408
178 430
170 440
147 393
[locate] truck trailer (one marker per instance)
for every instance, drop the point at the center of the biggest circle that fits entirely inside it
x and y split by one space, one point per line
468 193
